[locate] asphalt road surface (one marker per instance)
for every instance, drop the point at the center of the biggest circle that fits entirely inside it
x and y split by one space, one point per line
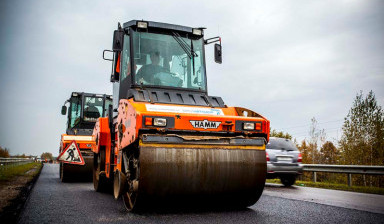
54 202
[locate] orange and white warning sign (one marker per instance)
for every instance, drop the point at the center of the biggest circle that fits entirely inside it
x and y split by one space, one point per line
71 154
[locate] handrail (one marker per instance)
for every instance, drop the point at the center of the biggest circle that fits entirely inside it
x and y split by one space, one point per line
353 169
13 158
5 162
348 169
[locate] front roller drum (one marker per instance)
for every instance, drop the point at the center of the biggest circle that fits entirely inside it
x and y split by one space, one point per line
197 176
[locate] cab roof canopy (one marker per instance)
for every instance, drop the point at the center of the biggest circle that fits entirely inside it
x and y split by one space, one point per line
90 94
151 24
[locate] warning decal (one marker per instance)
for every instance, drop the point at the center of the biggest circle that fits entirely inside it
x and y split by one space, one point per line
71 154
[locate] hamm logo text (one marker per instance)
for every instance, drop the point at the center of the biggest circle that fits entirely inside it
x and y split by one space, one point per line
205 124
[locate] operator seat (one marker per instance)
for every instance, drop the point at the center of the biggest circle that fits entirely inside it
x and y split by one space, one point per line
91 112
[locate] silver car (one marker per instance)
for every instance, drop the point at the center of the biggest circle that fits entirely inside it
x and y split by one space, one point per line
283 160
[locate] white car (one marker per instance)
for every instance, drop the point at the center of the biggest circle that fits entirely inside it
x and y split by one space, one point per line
283 160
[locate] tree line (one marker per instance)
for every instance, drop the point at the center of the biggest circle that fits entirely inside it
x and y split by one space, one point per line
361 142
4 153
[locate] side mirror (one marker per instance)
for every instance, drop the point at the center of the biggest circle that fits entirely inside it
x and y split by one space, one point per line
118 40
218 53
63 110
109 56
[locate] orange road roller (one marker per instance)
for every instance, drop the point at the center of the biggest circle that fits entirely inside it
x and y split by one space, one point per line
75 153
165 141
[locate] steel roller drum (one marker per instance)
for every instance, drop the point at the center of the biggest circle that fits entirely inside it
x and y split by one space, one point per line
224 173
79 172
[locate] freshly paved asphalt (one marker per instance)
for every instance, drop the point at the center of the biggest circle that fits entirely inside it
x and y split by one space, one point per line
54 202
345 199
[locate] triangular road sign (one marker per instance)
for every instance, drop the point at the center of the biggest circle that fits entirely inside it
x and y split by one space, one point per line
71 154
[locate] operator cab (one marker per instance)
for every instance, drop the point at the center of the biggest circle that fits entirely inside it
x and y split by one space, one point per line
164 63
84 110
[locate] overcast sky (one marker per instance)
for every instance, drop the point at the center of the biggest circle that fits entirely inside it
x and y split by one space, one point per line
288 60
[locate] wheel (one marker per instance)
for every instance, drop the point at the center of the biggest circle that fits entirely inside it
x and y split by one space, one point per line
131 192
100 181
129 199
288 180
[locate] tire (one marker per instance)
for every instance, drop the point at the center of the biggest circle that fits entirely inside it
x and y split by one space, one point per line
129 195
100 181
288 181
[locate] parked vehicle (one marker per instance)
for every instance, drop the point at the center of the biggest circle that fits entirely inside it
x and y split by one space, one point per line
283 160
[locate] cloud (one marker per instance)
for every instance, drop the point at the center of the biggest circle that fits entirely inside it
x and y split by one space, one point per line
288 60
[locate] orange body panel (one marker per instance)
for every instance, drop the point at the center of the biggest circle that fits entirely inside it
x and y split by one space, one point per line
182 120
128 124
102 137
83 144
101 134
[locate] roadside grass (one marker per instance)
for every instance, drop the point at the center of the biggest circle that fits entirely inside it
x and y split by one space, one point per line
333 186
19 170
15 185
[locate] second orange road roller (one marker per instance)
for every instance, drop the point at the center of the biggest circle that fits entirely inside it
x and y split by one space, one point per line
166 142
75 154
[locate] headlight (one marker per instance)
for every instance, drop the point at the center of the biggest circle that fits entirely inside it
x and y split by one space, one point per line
197 32
249 126
161 122
142 24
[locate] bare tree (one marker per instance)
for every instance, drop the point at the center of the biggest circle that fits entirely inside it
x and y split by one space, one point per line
315 136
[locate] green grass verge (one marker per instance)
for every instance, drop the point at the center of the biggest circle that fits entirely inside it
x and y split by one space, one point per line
19 170
333 186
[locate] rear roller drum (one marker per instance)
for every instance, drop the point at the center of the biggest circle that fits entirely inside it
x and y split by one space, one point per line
60 170
64 173
100 181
